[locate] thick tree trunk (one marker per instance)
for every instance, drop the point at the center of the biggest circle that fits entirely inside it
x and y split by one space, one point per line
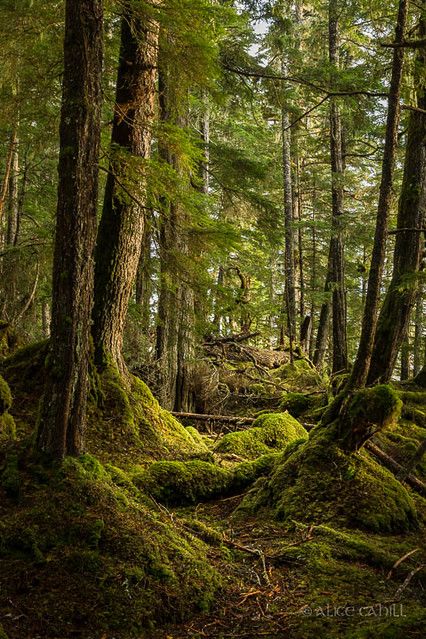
403 290
63 409
340 348
361 366
123 217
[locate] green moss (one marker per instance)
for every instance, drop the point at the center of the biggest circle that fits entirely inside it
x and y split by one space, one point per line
183 482
297 403
320 482
270 431
203 531
175 482
99 556
3 634
129 424
5 396
365 413
7 427
196 436
300 375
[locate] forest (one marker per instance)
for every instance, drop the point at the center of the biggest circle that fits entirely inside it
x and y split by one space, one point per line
212 319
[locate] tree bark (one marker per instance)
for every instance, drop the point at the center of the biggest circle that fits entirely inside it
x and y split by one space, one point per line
122 224
289 285
63 408
361 366
418 334
324 319
401 296
340 348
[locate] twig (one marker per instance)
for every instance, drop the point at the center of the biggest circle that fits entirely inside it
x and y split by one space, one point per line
407 581
400 560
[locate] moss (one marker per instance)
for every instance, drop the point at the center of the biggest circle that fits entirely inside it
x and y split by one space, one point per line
176 482
7 427
129 415
5 396
3 634
189 482
300 375
270 431
320 482
203 531
196 436
365 413
298 403
10 478
101 559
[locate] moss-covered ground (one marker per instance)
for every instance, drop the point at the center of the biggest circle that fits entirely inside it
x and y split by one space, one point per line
165 532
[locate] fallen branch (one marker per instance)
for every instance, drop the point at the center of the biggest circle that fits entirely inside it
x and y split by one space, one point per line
407 581
230 419
396 468
400 560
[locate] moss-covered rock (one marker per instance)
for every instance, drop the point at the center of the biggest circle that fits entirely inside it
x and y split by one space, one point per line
103 558
270 431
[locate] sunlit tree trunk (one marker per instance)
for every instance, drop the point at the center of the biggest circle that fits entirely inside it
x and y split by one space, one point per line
122 224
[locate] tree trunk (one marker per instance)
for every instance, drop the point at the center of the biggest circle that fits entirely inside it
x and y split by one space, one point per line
143 289
9 262
418 334
63 408
361 366
122 224
401 296
340 348
324 319
405 360
289 285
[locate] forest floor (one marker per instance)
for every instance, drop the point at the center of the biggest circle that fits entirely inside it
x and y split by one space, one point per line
120 541
271 594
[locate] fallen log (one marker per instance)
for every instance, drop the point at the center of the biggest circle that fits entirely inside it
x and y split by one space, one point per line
227 419
396 468
241 337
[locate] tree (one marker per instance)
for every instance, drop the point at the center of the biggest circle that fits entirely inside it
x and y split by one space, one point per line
122 224
340 347
403 291
63 409
361 366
